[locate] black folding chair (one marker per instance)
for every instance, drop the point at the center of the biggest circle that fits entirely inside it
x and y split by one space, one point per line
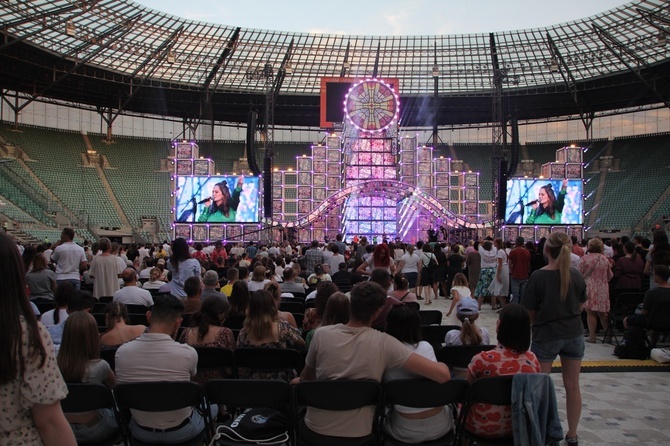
161 397
87 397
137 309
266 360
659 322
624 306
108 354
292 307
234 322
497 391
340 395
459 356
430 317
425 393
434 334
218 359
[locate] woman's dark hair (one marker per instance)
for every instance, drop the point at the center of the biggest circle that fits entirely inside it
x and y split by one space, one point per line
338 310
210 313
262 314
224 208
400 282
629 248
80 344
551 208
27 257
239 298
660 255
404 324
323 291
39 263
318 269
13 304
179 252
62 298
514 328
114 312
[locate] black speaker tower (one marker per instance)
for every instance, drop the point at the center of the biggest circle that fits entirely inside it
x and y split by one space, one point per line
267 184
502 189
251 143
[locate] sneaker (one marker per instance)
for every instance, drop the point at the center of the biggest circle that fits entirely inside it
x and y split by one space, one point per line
572 441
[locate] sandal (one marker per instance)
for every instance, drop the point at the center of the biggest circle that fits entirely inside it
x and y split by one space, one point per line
591 341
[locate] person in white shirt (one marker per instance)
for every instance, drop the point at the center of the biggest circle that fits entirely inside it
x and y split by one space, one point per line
487 274
131 294
69 258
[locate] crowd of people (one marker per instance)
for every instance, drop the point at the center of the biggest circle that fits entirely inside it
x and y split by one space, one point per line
359 291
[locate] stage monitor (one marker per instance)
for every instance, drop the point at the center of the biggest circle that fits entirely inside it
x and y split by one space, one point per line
333 92
522 194
191 204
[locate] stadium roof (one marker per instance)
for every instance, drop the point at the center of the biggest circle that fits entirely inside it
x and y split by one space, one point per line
119 56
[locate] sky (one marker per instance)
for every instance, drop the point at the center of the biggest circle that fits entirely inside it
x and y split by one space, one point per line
389 17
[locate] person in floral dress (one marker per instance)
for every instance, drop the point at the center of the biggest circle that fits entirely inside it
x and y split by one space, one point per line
597 272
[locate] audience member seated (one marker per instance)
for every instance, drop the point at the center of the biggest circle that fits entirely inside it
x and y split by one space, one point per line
273 288
239 299
131 294
209 332
62 297
355 351
79 362
289 285
318 276
182 266
233 275
263 328
41 281
338 309
154 282
79 301
382 277
342 276
410 424
511 356
467 311
312 318
401 289
147 267
209 283
118 331
155 356
258 279
651 315
193 290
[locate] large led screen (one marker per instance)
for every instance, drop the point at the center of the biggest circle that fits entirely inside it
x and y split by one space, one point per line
543 202
216 199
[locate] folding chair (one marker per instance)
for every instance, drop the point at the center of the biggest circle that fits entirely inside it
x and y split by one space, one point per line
266 360
340 395
424 393
624 306
292 307
497 391
659 322
160 397
86 397
459 356
415 305
434 334
217 359
240 394
430 317
109 355
234 322
137 309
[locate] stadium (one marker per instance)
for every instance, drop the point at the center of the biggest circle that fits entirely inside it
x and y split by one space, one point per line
117 118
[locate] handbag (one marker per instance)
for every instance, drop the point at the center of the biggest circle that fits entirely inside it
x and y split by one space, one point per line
259 426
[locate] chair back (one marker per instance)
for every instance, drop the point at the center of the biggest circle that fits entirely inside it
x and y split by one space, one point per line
434 334
234 322
86 397
249 393
137 309
659 316
424 393
430 317
338 395
415 305
109 355
292 306
216 358
267 359
459 356
496 390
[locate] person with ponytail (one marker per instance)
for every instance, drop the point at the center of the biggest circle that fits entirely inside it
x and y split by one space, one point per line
555 297
467 311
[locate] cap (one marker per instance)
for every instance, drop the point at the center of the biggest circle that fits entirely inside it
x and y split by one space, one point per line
161 262
211 278
467 307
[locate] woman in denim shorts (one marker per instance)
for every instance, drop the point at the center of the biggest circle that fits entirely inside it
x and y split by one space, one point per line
555 297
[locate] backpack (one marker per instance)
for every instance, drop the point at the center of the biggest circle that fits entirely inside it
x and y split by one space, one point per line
634 344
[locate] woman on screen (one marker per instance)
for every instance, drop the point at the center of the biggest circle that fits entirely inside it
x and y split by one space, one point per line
547 209
222 207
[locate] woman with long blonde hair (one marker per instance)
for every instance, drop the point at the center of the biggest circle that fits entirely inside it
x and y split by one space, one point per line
555 297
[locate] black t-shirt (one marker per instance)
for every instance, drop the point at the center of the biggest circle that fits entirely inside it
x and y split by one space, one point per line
657 304
555 319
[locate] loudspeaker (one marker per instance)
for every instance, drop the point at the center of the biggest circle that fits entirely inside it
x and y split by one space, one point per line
252 117
267 185
502 189
516 148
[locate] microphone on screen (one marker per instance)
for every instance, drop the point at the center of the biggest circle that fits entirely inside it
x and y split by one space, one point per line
531 203
205 200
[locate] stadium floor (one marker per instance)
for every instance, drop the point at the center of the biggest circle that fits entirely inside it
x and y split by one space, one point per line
625 402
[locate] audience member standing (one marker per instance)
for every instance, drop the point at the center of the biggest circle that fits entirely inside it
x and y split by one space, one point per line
41 281
182 266
629 269
105 271
519 266
596 271
658 255
313 257
69 258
